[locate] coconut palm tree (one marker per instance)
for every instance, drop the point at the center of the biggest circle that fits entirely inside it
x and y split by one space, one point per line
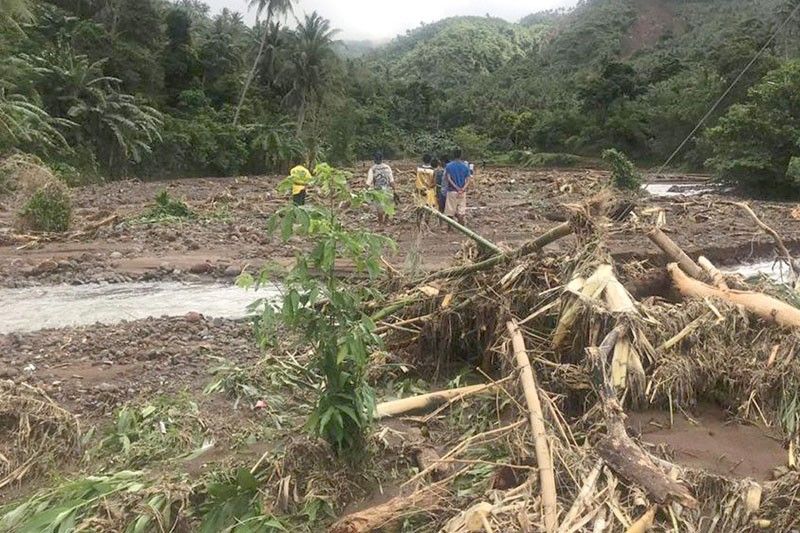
12 12
272 8
309 64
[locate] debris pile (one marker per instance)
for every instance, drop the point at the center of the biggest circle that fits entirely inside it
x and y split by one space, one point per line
565 351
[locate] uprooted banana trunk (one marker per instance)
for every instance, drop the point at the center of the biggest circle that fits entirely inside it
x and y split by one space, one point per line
764 306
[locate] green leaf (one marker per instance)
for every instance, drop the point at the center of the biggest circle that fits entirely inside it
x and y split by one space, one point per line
246 480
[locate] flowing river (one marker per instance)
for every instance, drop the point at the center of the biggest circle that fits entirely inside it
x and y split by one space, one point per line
58 306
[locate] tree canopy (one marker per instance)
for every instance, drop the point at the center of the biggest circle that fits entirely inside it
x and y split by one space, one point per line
155 88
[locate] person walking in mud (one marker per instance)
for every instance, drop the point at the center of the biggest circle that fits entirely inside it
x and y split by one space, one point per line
381 178
457 175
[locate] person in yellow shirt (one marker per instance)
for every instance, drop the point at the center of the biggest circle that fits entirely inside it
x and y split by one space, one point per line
300 178
425 184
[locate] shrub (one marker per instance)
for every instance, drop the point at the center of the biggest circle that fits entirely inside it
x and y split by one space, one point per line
49 208
623 173
41 200
168 207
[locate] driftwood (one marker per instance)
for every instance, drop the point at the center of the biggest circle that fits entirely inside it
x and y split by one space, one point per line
621 453
543 457
427 402
784 252
674 252
485 243
94 226
764 306
380 516
716 277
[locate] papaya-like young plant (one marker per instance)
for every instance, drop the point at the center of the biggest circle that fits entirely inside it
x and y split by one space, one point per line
326 310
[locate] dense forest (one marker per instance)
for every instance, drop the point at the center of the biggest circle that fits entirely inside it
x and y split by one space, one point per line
151 88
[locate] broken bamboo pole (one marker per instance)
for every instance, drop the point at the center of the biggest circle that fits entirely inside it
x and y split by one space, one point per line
556 233
487 244
543 458
426 402
764 306
674 252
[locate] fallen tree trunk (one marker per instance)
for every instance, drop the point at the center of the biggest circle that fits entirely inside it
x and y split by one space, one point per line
543 458
764 306
674 252
621 453
487 244
427 402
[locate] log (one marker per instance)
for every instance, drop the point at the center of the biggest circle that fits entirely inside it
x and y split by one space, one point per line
674 252
482 241
426 402
621 453
543 457
764 306
713 273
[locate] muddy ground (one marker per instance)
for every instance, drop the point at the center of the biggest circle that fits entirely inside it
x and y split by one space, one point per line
506 205
92 370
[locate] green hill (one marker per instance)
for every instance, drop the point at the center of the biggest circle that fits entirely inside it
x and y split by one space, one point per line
458 48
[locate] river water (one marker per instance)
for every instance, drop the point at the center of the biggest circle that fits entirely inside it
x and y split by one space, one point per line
677 189
57 306
774 270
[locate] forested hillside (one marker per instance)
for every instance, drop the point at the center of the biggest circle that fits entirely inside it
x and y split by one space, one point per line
153 88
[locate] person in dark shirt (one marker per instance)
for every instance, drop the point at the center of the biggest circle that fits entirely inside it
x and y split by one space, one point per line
457 175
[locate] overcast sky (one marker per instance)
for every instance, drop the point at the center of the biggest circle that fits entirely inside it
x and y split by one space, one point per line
384 19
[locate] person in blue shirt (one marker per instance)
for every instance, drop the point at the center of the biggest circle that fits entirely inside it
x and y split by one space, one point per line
457 175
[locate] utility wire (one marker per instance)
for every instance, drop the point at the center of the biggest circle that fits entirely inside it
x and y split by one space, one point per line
730 88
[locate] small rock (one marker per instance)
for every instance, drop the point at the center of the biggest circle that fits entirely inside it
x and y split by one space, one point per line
29 368
48 265
201 268
8 372
232 271
106 387
193 317
116 255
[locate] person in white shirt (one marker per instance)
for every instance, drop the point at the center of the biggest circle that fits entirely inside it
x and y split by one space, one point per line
381 178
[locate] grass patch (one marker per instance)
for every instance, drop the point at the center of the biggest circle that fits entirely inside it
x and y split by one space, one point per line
157 431
166 208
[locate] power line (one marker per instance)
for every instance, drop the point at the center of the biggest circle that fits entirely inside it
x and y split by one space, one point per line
730 88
